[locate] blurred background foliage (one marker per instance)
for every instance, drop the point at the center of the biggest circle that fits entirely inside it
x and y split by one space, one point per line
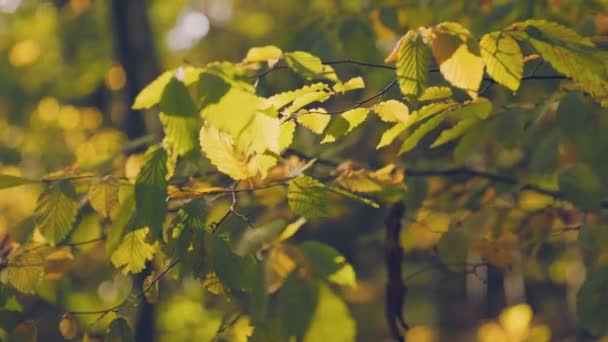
67 70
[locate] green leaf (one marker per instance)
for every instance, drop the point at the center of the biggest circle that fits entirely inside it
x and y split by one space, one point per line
119 331
353 196
510 126
133 252
580 185
152 93
176 101
315 122
151 191
454 132
180 132
331 320
123 222
25 267
592 301
263 54
412 64
308 66
555 31
235 272
571 117
319 90
391 134
503 59
412 140
103 196
297 303
344 124
392 111
56 211
307 197
428 111
458 57
453 248
435 93
327 263
8 181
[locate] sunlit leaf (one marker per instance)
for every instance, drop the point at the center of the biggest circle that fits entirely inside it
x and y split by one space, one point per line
57 263
233 112
308 66
103 196
459 65
319 90
332 320
288 130
152 93
468 115
8 181
412 64
391 134
180 132
307 197
220 150
353 196
392 111
555 31
25 267
352 84
412 140
56 211
503 59
435 93
262 54
151 191
119 331
592 301
133 252
123 222
454 132
316 122
291 229
344 124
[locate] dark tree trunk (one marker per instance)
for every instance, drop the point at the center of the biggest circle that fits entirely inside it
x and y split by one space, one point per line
134 49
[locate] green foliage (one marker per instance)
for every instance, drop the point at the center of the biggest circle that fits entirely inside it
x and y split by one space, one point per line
119 331
592 300
8 181
56 211
307 197
503 59
412 63
297 303
151 191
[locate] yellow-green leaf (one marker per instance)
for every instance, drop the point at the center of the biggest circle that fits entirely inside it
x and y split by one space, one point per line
9 181
309 66
282 99
331 320
392 111
176 101
412 64
25 267
307 197
503 59
459 65
316 122
180 132
133 252
344 124
412 140
233 112
435 93
263 54
151 94
56 211
352 84
391 134
103 196
220 150
556 31
288 129
455 132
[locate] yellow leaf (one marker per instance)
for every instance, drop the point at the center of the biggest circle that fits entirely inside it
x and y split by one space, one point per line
412 64
263 54
288 129
503 59
133 252
459 65
220 150
103 196
152 93
315 122
391 134
392 111
344 124
352 84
